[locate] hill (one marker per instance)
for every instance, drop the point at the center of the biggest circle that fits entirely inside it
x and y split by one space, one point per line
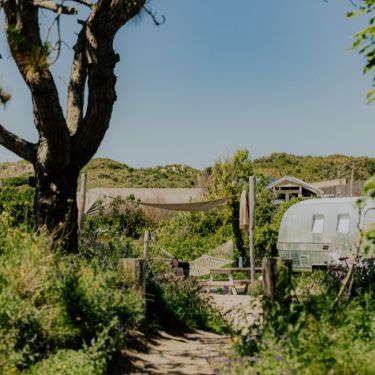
314 168
110 173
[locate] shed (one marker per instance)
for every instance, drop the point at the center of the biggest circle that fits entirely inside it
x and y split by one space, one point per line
288 187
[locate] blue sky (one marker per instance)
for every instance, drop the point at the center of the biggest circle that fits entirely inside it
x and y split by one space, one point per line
270 76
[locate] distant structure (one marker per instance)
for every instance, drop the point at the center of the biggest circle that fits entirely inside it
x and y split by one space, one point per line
289 187
340 187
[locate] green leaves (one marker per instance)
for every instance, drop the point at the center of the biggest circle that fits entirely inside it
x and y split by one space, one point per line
365 41
369 187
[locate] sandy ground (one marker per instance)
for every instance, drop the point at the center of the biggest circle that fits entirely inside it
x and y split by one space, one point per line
191 353
228 301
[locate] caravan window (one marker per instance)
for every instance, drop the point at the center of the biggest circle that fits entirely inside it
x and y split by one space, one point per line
343 223
318 224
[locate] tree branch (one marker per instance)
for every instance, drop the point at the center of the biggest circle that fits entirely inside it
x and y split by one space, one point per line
53 7
154 16
76 89
19 146
83 2
31 57
107 17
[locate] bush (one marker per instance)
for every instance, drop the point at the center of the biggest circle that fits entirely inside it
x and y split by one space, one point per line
18 203
189 235
91 360
16 181
52 306
174 302
311 336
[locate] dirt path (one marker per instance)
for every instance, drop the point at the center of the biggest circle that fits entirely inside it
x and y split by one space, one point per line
178 354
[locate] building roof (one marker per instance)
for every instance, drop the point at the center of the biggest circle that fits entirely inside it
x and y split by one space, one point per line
293 181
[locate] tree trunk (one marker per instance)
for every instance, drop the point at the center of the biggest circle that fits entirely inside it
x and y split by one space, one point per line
66 143
56 205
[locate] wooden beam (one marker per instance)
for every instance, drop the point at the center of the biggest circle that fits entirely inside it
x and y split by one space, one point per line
252 188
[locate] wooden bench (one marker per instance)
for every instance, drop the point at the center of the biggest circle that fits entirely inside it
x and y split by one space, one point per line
231 283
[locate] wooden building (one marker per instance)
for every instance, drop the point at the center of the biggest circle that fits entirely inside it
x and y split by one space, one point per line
288 187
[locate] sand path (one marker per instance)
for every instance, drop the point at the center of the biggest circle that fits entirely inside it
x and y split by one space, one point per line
191 353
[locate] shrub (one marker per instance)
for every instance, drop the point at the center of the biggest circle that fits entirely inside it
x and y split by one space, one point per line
91 360
52 306
189 235
175 302
16 181
18 204
312 337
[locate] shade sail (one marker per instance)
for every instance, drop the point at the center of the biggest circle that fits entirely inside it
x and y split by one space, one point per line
190 207
100 200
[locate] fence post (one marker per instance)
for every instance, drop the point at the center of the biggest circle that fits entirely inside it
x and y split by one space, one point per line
81 208
277 279
351 187
133 269
252 226
146 240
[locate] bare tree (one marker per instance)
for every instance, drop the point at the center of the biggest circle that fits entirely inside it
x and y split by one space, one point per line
66 141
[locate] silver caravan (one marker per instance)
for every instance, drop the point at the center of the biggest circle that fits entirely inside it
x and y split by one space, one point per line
317 232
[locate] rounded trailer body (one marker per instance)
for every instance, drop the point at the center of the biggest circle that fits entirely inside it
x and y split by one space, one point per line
317 232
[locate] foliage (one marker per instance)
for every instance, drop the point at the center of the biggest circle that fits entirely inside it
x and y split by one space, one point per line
228 177
33 59
111 237
109 173
310 337
189 235
58 310
314 168
268 216
175 302
91 360
16 181
364 39
18 204
306 333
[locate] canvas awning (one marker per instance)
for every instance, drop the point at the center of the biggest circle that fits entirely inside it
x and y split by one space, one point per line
190 200
191 207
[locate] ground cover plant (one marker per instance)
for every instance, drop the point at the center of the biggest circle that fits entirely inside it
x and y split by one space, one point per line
59 313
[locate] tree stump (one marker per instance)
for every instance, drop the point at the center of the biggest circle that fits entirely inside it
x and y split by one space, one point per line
277 279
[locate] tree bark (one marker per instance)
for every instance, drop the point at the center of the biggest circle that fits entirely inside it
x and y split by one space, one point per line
56 205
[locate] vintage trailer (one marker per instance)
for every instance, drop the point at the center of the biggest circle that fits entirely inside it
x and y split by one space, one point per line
317 232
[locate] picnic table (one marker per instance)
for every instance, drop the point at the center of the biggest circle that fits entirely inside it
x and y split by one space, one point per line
230 283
